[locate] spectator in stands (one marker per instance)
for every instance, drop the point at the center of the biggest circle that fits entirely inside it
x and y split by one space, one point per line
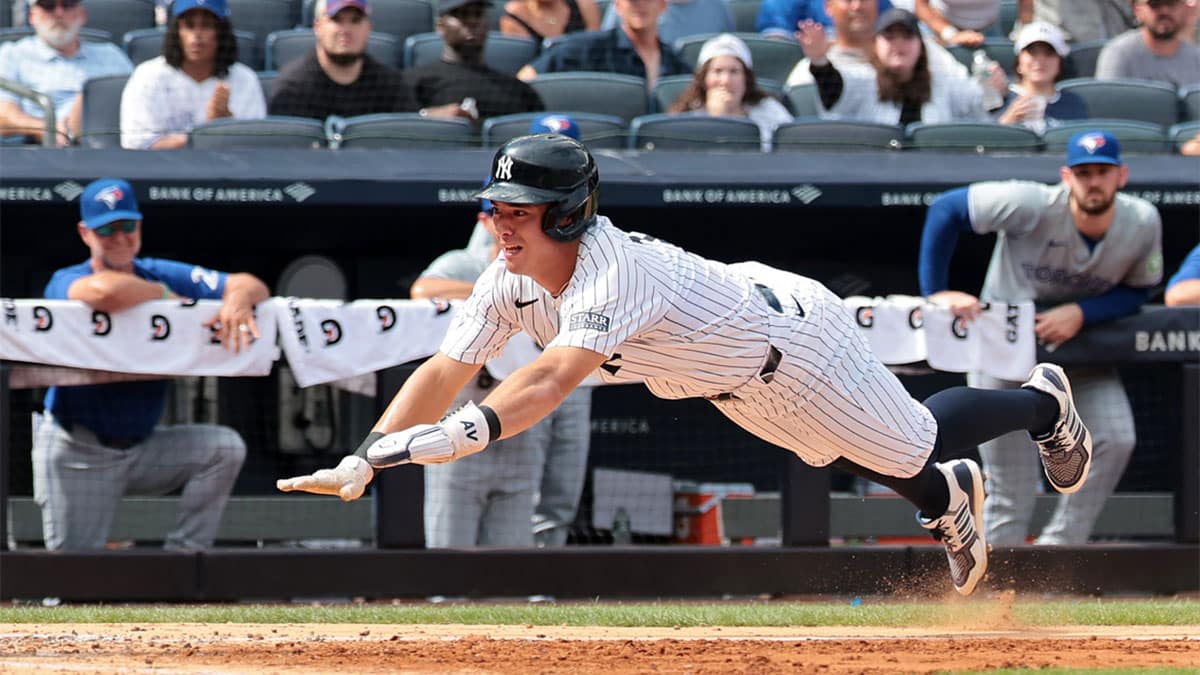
1080 20
541 19
901 89
197 79
854 40
724 86
633 48
958 22
684 18
1033 101
1192 147
1085 254
780 18
1155 51
96 443
460 84
339 77
55 62
1184 286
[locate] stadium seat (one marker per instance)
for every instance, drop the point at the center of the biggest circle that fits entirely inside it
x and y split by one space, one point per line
602 93
694 132
837 135
667 89
118 17
505 53
745 15
773 59
263 17
266 79
400 17
146 43
405 130
6 17
270 132
1183 132
972 137
1135 137
999 50
803 100
595 131
1189 103
85 34
1081 62
285 45
100 122
1141 100
1008 18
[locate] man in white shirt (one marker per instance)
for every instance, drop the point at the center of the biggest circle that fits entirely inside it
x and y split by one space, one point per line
197 79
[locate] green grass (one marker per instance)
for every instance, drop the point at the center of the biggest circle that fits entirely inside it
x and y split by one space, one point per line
872 612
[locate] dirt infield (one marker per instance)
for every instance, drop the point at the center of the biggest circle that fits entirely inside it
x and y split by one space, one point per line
291 648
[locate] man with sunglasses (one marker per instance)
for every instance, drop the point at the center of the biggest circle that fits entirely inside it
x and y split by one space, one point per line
1155 51
95 443
55 62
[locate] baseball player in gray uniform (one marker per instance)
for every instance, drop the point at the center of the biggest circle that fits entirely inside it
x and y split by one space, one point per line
1084 254
777 353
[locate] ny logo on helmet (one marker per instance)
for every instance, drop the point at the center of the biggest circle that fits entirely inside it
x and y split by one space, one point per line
504 168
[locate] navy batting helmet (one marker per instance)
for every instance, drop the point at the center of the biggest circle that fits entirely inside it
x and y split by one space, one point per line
548 169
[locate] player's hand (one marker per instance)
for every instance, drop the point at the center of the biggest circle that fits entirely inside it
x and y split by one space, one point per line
1056 326
218 105
347 480
463 432
967 38
811 36
234 326
962 305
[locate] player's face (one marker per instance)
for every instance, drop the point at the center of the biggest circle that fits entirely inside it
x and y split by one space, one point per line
114 246
1163 18
727 74
1094 186
898 49
198 36
519 231
344 34
1038 63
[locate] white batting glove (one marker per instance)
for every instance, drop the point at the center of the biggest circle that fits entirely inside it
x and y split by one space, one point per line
463 432
348 480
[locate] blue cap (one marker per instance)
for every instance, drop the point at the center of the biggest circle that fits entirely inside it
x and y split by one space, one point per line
1093 147
217 7
106 200
555 124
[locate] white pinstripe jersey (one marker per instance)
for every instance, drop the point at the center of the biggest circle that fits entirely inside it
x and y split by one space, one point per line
685 325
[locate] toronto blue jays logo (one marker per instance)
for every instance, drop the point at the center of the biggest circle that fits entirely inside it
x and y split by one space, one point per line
110 195
556 123
1091 142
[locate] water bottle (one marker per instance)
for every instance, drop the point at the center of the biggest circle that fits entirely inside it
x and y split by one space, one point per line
622 528
981 69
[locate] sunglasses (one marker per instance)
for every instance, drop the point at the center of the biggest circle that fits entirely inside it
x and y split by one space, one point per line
126 226
49 5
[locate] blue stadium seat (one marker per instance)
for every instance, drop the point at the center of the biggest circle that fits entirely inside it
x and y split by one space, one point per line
972 137
773 59
1183 132
6 16
1134 137
1189 102
283 46
406 130
505 53
745 15
146 43
595 131
100 123
602 93
1008 18
803 100
401 18
694 132
270 132
118 17
837 136
1140 100
263 17
1081 62
667 89
266 80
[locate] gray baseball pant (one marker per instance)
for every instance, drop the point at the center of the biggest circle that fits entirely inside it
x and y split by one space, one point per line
565 468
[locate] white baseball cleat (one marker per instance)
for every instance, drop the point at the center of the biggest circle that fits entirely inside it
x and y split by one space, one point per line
1066 449
959 527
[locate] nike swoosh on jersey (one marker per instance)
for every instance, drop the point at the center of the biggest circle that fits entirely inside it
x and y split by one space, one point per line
525 303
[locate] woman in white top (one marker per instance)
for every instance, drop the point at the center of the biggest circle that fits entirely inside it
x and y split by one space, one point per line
900 88
197 79
1033 100
724 86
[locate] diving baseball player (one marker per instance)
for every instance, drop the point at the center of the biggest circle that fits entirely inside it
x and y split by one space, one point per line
775 352
1085 254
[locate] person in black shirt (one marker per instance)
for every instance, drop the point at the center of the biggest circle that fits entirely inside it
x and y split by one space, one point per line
443 88
339 77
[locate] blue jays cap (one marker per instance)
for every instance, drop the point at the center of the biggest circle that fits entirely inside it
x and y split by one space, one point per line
106 200
1093 147
555 124
218 7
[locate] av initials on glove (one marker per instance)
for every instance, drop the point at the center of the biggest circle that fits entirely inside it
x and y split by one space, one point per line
464 432
348 480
